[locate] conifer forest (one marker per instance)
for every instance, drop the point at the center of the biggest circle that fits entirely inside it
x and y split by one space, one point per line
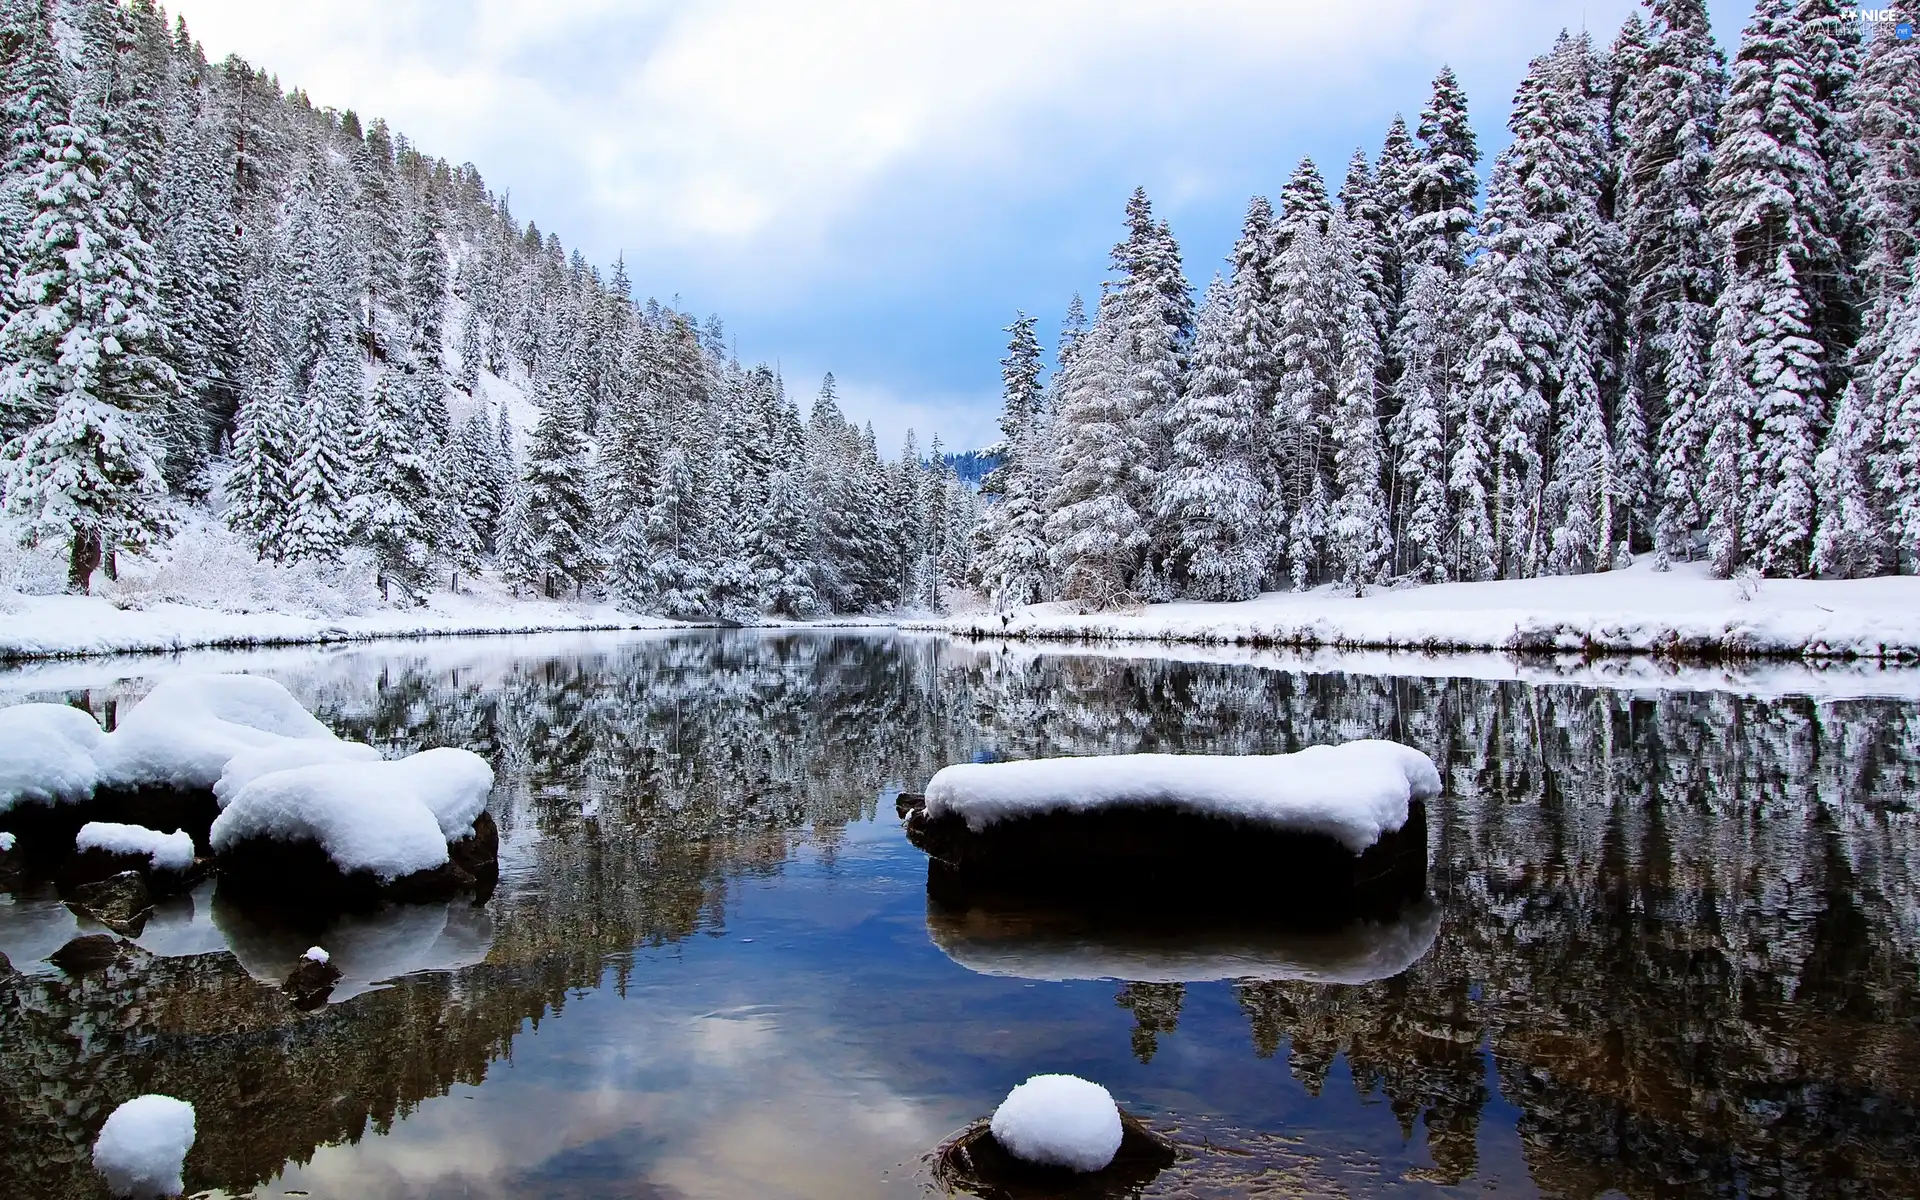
1683 321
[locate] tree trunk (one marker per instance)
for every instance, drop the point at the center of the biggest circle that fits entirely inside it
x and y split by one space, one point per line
83 560
113 563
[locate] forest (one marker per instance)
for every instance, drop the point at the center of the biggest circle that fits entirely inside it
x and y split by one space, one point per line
233 314
1684 323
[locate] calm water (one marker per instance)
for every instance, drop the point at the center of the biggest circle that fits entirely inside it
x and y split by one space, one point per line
1673 946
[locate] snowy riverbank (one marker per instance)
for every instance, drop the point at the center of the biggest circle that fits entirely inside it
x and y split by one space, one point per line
1680 613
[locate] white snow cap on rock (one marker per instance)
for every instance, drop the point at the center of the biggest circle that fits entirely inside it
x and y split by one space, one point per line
47 755
249 765
187 729
386 818
142 1149
1353 792
316 954
6 842
164 851
1059 1121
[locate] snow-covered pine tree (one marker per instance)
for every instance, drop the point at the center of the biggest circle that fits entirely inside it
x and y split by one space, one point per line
398 509
1255 322
1673 266
321 476
1359 541
1152 313
85 360
33 103
1393 174
1417 434
1096 536
782 549
1310 319
560 552
1580 493
426 297
1021 396
1303 204
1513 324
1849 540
1443 183
1213 499
679 576
1371 233
1776 213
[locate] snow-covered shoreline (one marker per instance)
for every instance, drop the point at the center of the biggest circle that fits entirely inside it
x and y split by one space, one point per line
1680 614
53 627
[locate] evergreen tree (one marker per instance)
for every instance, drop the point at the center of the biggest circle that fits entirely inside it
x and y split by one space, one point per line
1096 536
1417 432
560 547
397 513
1442 184
1359 540
322 472
1213 498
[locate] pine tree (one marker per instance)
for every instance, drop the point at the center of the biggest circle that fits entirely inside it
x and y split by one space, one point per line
1358 537
1213 498
560 547
1848 542
1371 233
1665 189
85 361
679 579
1021 397
1442 186
321 475
1303 205
1417 432
1096 536
397 512
1310 318
782 550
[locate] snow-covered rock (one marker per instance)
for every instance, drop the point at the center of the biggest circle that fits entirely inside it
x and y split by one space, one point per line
384 819
1059 1121
185 732
1353 792
316 954
142 1149
6 842
163 851
248 765
47 755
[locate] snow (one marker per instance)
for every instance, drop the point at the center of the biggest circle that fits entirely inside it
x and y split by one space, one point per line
142 1149
315 954
6 842
1027 946
248 765
164 851
184 731
1634 611
386 818
1059 1121
47 755
1353 792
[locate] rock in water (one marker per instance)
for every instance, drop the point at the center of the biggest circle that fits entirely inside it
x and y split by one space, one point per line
311 981
120 902
478 854
90 952
1059 1121
142 1149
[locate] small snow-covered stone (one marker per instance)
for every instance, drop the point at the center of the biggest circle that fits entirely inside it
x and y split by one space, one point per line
1353 792
6 842
142 1149
1059 1121
315 954
47 755
163 851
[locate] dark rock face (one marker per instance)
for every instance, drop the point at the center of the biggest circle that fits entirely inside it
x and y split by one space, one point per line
12 867
93 864
310 983
973 1163
120 902
302 872
1158 856
52 827
88 953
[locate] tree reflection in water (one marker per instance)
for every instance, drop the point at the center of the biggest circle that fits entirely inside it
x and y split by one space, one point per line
1679 929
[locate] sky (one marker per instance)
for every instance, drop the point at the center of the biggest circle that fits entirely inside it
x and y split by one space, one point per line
876 187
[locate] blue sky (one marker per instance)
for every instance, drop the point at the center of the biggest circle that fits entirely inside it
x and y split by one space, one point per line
874 188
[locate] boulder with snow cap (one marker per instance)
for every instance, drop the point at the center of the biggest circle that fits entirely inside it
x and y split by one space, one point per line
168 863
1053 1136
142 1149
358 830
1331 826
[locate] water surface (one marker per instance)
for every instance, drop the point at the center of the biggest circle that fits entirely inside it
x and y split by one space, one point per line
1671 949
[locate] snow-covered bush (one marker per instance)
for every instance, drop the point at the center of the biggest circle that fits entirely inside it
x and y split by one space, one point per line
209 566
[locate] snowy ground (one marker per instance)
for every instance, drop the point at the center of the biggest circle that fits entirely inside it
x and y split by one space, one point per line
1683 612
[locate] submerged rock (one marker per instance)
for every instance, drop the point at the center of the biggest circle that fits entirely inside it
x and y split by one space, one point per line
88 953
120 902
310 983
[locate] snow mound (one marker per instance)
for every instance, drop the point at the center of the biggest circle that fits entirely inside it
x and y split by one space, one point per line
386 818
249 765
186 730
142 1149
316 954
6 842
47 755
1059 1121
164 851
1353 792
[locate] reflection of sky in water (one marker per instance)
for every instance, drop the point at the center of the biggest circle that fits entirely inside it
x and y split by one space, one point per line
822 1045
